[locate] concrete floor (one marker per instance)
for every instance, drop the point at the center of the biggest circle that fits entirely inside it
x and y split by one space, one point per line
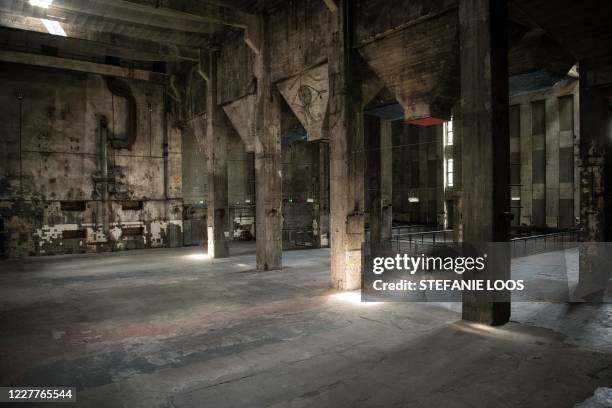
171 328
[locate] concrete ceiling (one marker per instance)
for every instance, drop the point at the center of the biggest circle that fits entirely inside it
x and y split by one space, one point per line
250 6
112 24
582 28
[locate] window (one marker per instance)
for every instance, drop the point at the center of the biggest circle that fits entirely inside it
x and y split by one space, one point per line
448 133
450 173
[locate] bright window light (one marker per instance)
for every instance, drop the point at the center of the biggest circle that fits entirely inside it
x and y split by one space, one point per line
450 173
449 133
41 3
53 27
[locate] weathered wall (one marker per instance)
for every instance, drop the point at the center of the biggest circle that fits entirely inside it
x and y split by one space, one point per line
298 185
545 137
51 154
417 173
300 197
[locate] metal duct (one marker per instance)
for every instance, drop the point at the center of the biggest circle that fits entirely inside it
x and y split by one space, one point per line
121 89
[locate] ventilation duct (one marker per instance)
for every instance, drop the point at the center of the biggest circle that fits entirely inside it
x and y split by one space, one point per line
121 89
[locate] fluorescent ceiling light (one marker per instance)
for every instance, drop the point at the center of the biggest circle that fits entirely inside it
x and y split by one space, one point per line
41 3
413 199
53 27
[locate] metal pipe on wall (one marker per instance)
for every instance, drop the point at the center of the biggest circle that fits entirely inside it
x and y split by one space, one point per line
165 144
20 98
103 138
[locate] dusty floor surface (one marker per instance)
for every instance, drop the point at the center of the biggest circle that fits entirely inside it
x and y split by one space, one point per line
170 328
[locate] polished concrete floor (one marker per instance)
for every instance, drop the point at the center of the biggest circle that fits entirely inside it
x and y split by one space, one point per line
172 328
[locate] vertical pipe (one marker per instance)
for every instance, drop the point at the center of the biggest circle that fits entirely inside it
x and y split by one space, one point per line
165 145
103 139
20 98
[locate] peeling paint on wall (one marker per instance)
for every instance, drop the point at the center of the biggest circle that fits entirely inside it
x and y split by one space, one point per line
63 160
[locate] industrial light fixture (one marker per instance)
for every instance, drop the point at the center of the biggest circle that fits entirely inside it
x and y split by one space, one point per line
53 27
41 3
413 199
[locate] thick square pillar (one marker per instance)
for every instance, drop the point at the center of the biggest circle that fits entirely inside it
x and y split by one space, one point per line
346 152
595 134
595 187
486 143
268 183
216 144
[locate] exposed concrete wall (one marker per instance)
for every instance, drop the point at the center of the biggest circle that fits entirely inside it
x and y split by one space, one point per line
301 193
417 173
547 154
52 154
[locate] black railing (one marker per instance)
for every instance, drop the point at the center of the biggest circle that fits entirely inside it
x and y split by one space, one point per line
298 237
419 242
414 242
535 244
406 229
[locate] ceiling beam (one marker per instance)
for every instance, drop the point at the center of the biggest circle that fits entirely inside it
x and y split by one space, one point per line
81 66
82 41
110 23
212 13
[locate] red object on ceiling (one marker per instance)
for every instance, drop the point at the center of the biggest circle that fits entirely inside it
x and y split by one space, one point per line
430 121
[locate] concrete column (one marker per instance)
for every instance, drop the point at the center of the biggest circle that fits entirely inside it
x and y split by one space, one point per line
216 144
320 171
577 142
346 157
423 191
596 187
268 184
379 169
457 191
371 131
552 161
386 181
526 164
595 131
440 203
486 143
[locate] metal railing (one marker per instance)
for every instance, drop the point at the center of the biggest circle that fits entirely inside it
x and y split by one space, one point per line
418 242
414 242
535 244
297 237
410 229
406 229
